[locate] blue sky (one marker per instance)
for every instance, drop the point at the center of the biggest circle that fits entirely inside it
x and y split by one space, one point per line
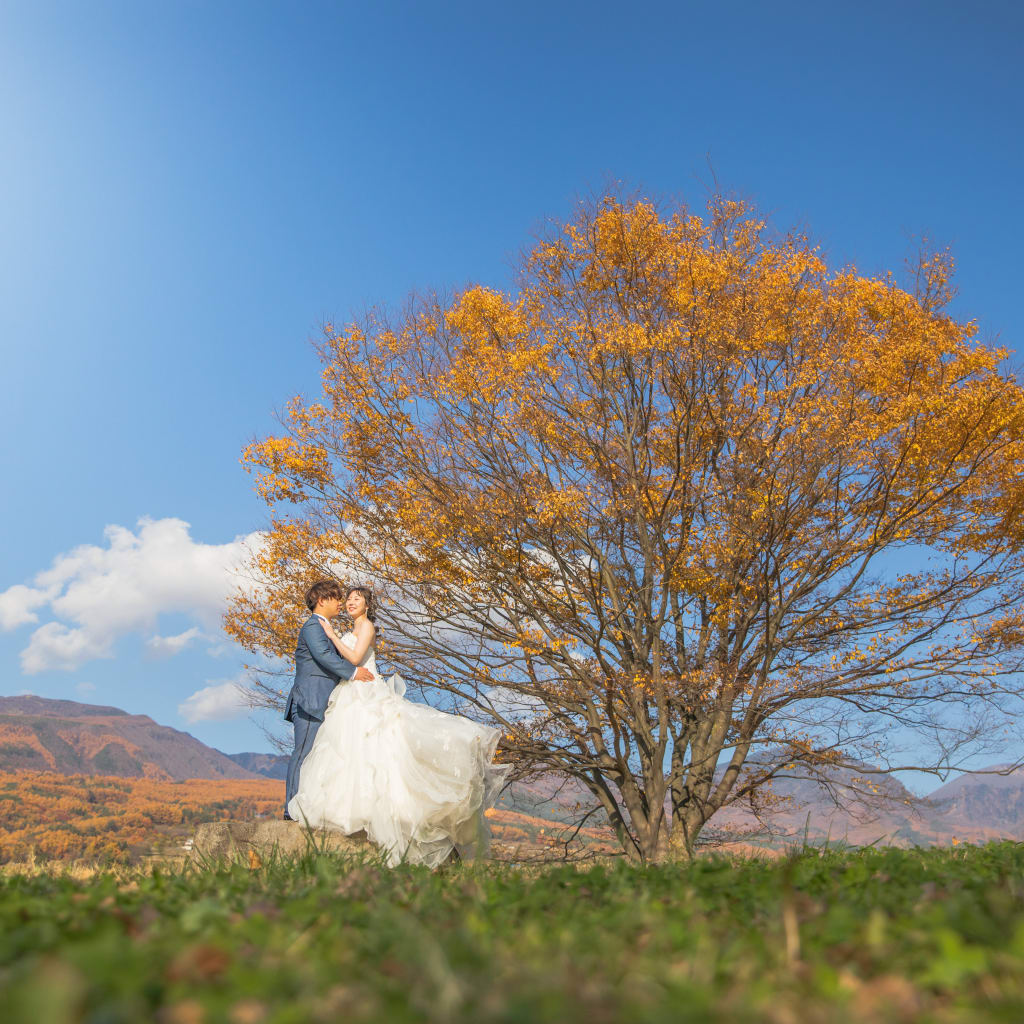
187 190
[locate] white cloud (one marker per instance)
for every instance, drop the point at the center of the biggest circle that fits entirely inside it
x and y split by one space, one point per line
215 703
511 704
55 646
123 588
85 688
166 646
16 604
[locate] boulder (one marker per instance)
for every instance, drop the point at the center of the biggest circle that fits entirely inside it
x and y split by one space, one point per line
255 841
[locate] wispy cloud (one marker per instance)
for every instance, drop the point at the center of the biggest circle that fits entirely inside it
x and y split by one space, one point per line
511 704
166 646
215 703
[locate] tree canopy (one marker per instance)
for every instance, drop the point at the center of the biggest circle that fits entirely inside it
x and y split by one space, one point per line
683 510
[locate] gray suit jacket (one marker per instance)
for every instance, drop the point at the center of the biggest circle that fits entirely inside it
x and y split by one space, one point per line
318 668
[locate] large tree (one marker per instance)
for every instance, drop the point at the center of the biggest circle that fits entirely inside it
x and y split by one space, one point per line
683 511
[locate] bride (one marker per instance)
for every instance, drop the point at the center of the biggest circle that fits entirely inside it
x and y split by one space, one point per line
416 779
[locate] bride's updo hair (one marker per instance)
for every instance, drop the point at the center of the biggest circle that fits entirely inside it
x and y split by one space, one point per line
368 597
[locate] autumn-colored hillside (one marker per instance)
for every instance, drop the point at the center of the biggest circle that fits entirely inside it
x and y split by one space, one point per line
37 734
64 817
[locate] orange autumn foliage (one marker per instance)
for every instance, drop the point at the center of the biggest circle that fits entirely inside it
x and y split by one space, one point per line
65 817
705 508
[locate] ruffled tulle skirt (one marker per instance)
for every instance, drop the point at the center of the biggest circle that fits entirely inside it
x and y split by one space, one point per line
416 779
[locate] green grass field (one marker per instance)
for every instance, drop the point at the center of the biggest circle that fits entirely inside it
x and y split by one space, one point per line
871 935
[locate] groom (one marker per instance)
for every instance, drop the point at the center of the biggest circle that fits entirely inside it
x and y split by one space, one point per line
318 668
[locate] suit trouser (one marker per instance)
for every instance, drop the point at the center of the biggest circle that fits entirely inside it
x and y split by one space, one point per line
305 732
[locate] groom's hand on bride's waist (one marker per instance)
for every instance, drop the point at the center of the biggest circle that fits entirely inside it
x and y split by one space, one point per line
363 674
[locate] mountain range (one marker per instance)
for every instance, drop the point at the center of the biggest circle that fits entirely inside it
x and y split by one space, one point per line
84 739
87 739
970 808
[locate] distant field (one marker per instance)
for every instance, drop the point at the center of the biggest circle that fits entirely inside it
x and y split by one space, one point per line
66 817
46 816
819 938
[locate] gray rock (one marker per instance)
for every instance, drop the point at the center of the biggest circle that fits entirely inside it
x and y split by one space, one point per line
249 840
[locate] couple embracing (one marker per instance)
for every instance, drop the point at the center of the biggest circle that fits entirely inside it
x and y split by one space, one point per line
415 779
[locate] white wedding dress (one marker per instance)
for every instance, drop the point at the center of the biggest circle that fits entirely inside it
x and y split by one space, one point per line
416 779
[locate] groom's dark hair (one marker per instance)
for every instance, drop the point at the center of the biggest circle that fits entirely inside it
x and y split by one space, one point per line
322 590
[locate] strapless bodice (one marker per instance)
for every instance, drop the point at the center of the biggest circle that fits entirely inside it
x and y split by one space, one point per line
369 658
